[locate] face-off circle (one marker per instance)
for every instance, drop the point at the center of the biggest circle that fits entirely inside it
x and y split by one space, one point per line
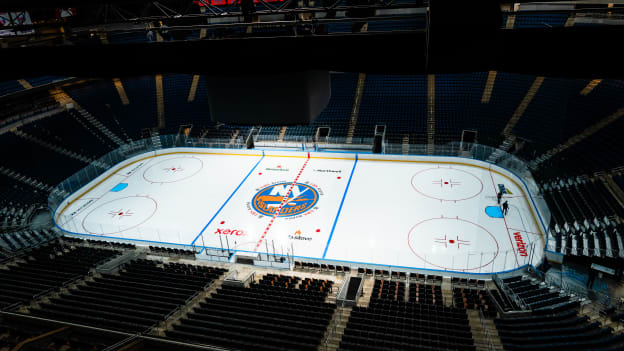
447 184
173 170
437 240
119 215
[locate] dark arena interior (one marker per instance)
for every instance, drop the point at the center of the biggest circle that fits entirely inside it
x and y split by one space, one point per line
311 175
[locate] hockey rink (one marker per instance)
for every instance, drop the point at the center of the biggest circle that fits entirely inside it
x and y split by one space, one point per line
435 213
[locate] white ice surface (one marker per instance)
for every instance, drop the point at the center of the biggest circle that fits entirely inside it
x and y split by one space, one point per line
416 212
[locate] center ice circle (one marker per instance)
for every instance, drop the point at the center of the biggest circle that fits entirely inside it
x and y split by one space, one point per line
447 184
173 170
452 244
119 215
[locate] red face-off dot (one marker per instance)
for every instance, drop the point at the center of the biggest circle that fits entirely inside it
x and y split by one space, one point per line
445 182
452 241
120 213
318 230
260 173
222 222
339 177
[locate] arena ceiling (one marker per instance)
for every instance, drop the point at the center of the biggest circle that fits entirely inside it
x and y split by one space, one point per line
466 37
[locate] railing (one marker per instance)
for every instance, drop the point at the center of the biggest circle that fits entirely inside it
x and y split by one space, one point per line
568 286
338 317
539 18
499 308
505 290
486 333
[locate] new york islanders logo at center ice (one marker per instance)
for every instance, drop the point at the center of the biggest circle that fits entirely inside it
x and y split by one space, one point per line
290 198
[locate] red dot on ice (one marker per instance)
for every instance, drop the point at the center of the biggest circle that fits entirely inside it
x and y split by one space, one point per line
445 182
120 213
452 241
222 222
173 169
318 230
260 173
339 177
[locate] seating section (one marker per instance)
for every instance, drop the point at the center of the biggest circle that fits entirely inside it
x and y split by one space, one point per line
47 268
323 268
597 152
563 330
178 110
539 20
475 299
397 325
18 202
101 99
538 296
71 132
143 294
425 293
398 103
276 313
505 302
618 178
613 313
111 244
13 86
25 239
9 87
388 290
167 251
51 167
583 213
552 99
338 111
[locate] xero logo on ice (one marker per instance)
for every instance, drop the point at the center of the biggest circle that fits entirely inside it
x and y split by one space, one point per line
297 198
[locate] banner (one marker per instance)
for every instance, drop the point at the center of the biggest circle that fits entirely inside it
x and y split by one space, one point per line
8 19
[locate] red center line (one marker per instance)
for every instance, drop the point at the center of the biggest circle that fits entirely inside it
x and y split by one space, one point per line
279 208
513 248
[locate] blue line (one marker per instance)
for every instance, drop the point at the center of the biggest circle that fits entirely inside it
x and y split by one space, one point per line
202 250
340 208
228 199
